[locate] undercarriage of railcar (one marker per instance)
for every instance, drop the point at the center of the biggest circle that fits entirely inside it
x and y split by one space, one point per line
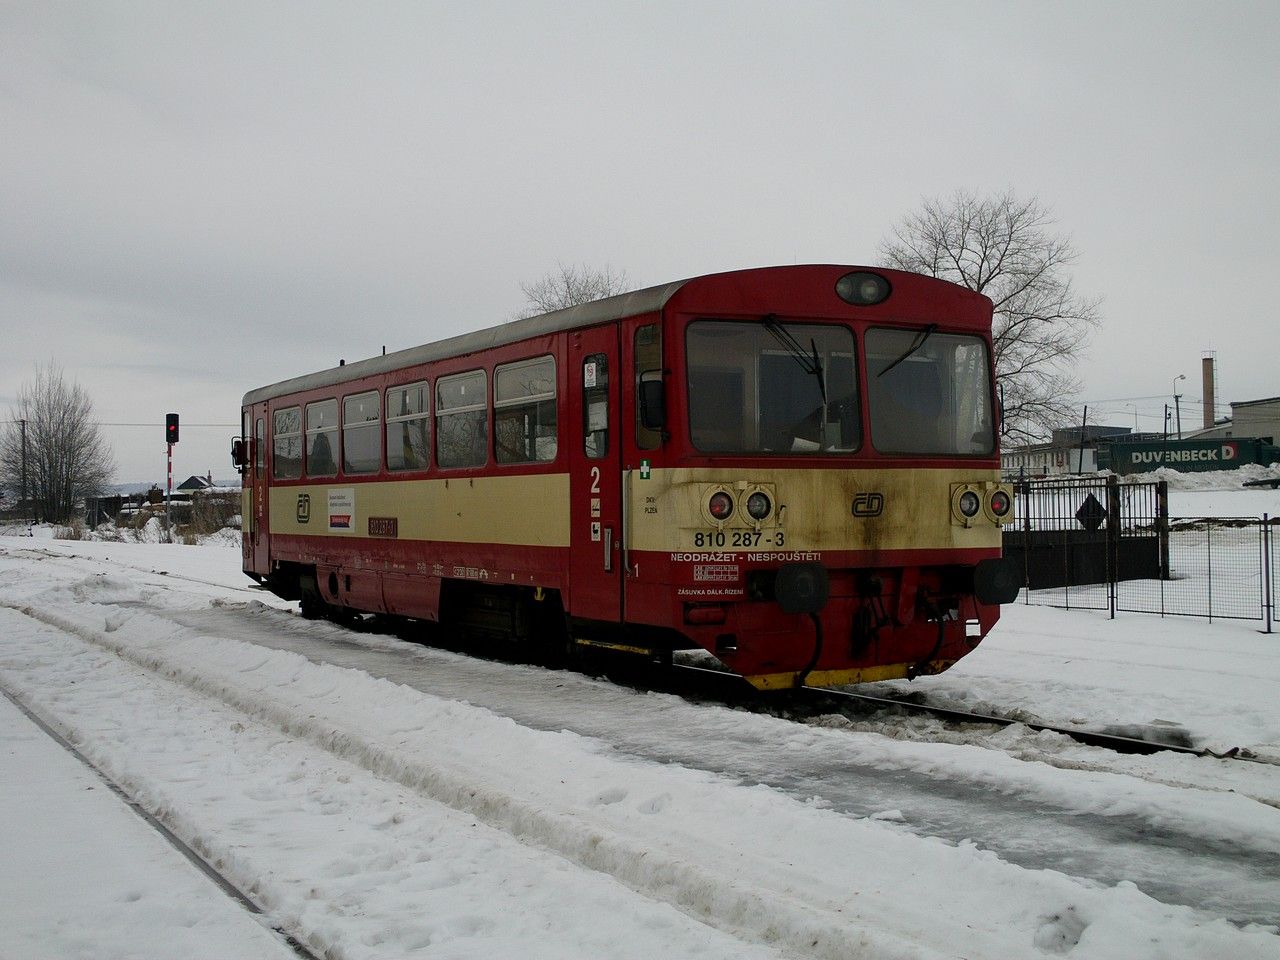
797 625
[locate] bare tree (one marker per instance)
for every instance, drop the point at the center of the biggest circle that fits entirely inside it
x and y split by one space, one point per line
65 456
1008 249
570 285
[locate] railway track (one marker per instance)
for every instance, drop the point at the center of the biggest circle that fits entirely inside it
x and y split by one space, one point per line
722 686
718 685
814 700
1093 738
177 843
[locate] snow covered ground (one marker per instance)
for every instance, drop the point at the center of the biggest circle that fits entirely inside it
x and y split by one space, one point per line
1219 493
379 799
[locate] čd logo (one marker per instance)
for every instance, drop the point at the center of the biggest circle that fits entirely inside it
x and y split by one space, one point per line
868 504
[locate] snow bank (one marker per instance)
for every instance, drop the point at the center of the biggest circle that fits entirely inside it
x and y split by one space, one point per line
1209 479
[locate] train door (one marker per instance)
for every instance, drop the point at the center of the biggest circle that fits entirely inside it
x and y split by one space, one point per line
258 549
595 483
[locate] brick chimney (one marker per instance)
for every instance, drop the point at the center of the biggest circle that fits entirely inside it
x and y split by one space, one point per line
1206 376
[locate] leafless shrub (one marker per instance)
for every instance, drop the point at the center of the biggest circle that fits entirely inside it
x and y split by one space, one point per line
73 531
569 285
210 512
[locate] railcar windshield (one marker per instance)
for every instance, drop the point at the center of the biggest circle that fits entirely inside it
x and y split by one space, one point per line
772 387
929 393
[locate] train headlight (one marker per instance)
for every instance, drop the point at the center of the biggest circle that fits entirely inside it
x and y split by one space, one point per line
862 289
720 506
759 505
1000 503
968 501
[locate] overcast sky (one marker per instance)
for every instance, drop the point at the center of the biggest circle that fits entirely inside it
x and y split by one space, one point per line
202 198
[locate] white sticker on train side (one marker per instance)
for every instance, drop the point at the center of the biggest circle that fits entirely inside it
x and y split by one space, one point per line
716 572
342 509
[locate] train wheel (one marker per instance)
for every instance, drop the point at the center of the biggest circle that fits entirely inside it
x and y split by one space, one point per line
551 632
312 604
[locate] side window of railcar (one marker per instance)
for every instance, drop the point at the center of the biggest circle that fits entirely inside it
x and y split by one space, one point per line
648 362
260 445
462 420
524 411
408 420
322 438
595 405
286 439
361 437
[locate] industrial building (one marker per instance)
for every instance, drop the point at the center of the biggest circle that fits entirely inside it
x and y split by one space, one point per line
1248 436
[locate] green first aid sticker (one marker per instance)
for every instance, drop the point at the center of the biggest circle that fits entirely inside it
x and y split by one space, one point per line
644 469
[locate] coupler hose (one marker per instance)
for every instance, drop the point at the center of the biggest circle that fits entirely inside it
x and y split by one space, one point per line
919 668
817 650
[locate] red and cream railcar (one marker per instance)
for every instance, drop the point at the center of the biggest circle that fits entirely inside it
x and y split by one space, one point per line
794 468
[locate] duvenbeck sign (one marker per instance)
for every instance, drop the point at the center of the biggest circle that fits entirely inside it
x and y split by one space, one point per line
1145 455
1220 454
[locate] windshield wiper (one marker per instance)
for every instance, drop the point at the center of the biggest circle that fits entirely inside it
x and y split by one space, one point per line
916 344
808 360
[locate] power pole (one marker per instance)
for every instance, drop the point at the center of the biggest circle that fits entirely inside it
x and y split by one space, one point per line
1177 402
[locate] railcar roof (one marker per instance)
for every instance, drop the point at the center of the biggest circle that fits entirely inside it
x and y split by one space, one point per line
636 303
585 315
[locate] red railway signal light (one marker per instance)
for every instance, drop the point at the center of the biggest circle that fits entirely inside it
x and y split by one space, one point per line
171 428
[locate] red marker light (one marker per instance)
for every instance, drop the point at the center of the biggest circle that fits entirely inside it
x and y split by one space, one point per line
720 506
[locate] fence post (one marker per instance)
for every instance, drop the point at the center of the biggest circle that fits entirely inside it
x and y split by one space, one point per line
1114 523
1024 490
1267 597
1208 552
1162 526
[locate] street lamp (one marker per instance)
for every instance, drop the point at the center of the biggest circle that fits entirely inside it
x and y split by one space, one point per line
1135 415
1177 406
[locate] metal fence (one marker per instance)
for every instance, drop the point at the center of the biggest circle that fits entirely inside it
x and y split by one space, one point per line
1096 543
1218 567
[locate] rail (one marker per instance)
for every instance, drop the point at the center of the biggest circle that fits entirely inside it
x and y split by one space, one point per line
210 872
740 695
1093 738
